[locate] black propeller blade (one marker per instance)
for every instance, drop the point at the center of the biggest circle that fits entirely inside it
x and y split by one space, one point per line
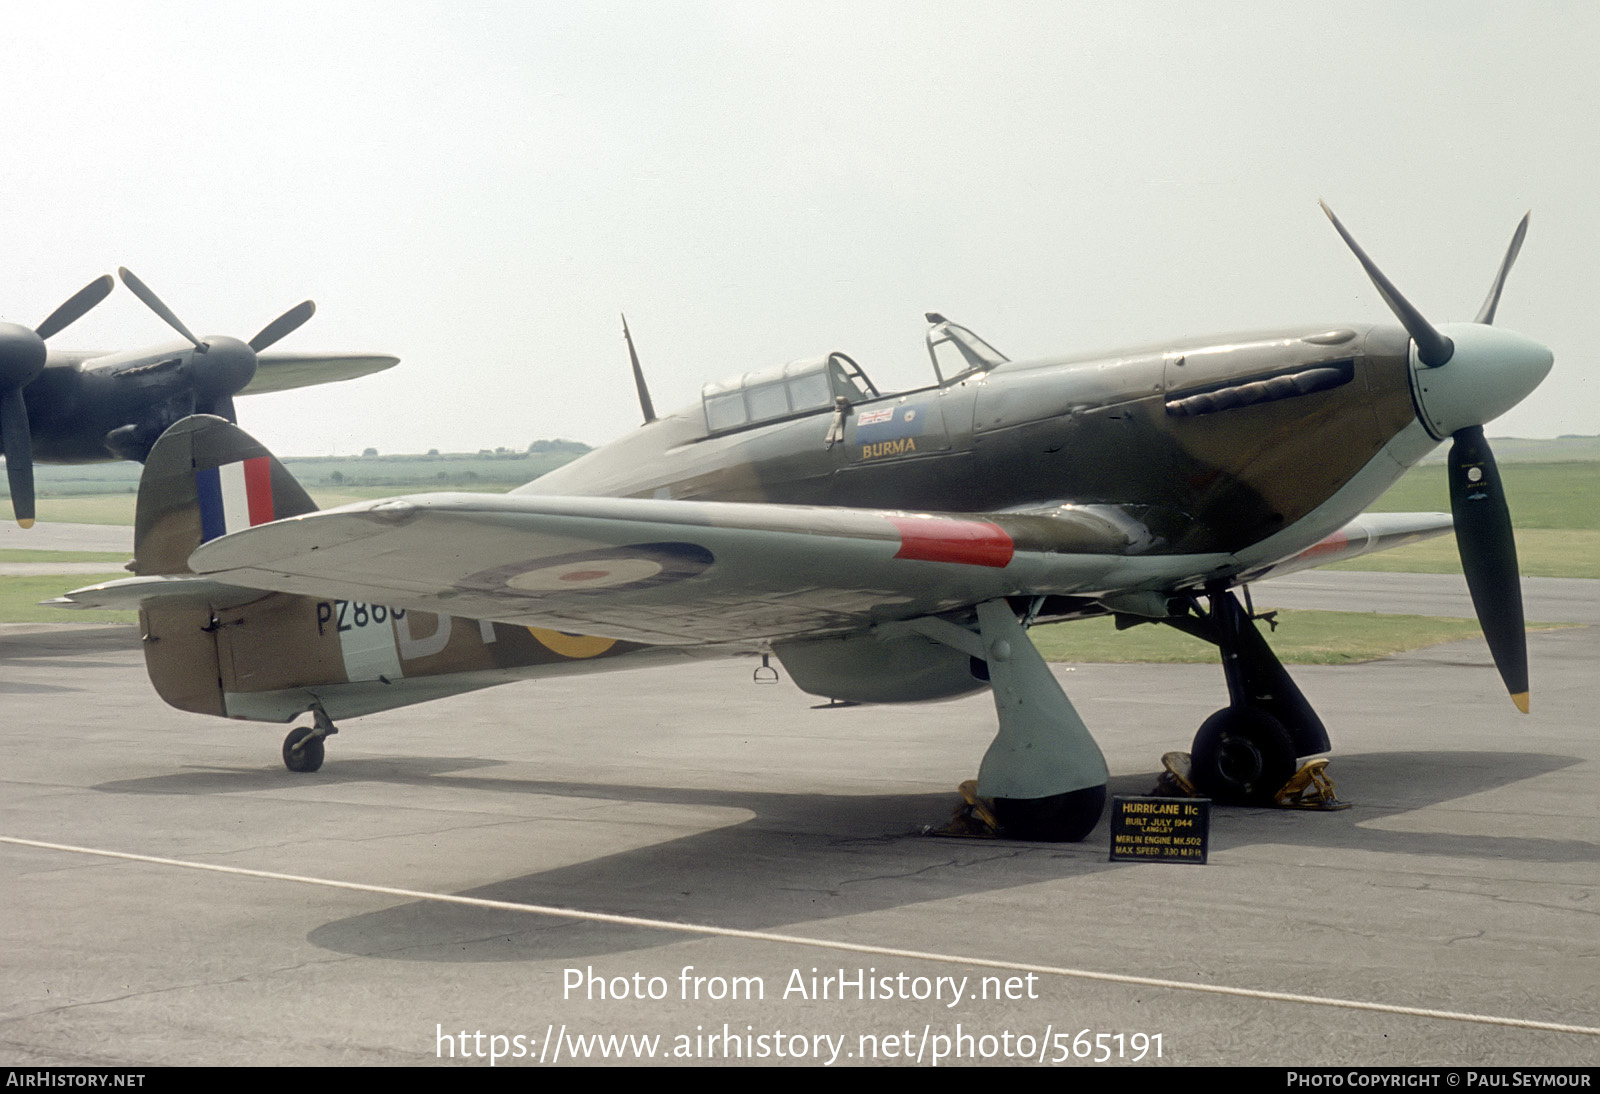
220 367
154 303
22 358
1492 301
1433 348
76 308
1483 526
287 323
1489 556
1484 537
18 441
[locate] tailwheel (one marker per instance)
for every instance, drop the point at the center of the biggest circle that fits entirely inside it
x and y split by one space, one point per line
303 749
1243 756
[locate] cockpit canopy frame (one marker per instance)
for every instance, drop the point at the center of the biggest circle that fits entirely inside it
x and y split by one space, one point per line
963 350
803 387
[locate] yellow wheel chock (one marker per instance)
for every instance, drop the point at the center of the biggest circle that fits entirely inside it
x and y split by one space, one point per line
973 818
1309 788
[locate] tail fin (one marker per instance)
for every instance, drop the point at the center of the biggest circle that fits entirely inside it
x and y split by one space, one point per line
206 477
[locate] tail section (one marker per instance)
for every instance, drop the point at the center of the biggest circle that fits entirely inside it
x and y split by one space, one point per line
236 652
205 478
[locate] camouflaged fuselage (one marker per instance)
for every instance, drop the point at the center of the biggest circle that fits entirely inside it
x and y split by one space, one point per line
1211 444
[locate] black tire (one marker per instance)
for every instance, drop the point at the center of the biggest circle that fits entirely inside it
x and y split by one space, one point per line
1061 818
302 751
1242 756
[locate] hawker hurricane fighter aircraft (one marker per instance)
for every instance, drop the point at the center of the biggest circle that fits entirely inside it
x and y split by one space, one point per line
88 407
885 547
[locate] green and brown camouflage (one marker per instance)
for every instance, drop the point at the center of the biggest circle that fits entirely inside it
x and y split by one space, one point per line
885 546
1208 445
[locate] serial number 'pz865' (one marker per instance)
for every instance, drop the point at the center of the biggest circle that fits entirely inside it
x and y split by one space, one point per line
349 615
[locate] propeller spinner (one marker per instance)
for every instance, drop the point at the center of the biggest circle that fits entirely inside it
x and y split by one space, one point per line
1463 375
220 367
22 358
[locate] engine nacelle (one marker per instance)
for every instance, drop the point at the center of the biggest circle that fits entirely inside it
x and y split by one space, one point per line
907 668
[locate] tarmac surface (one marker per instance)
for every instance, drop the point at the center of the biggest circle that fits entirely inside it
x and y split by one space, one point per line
50 536
1463 879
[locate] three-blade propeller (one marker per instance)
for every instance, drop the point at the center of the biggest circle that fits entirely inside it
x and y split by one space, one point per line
22 357
1493 365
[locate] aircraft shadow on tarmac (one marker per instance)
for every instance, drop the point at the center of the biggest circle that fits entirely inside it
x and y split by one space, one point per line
70 639
804 857
63 647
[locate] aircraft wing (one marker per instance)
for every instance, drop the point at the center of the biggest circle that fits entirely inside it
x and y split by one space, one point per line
281 370
683 572
1362 536
171 591
689 573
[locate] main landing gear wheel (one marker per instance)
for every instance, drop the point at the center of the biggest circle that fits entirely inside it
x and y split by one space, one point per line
303 749
1060 818
1243 756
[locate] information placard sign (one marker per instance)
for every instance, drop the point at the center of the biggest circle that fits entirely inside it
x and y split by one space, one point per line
1160 829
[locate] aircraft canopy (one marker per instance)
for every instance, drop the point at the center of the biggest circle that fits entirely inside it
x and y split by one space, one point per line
800 387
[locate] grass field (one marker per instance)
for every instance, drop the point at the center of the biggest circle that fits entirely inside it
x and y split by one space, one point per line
1541 552
1542 495
12 554
1554 506
20 596
88 509
1302 638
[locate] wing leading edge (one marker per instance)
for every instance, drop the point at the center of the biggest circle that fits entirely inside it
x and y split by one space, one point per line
285 370
680 572
689 573
1368 533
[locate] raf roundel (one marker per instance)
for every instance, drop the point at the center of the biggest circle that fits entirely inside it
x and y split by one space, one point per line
586 575
611 569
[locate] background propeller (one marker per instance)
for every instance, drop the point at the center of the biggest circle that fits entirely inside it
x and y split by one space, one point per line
1478 377
220 367
22 358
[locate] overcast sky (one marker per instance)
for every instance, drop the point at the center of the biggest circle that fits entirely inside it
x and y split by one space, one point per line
480 188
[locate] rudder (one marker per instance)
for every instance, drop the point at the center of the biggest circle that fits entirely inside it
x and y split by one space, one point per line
204 477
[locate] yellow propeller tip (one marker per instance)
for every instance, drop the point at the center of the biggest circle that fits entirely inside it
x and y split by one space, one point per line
25 522
1521 699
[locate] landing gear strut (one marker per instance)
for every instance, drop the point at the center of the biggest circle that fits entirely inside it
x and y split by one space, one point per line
303 749
1246 752
1043 774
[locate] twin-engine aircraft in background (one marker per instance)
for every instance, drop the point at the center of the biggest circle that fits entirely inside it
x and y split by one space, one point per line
83 407
886 547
